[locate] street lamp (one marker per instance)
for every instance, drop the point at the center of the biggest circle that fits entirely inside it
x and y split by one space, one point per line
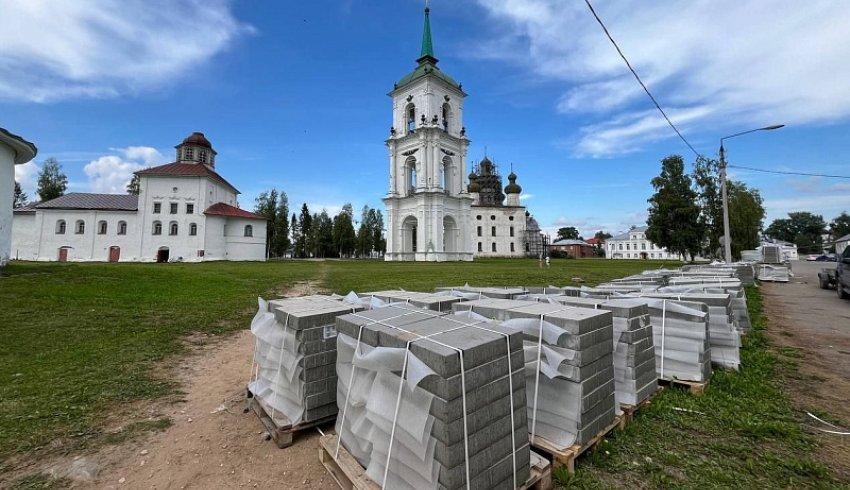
727 241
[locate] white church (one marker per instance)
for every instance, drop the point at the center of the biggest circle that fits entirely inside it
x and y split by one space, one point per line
185 211
432 214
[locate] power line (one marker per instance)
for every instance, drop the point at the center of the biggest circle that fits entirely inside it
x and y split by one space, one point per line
781 172
657 105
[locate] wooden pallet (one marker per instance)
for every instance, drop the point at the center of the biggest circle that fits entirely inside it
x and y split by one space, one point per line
349 475
628 415
696 388
279 427
566 456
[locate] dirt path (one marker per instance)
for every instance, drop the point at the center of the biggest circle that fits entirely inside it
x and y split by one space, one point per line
815 324
212 443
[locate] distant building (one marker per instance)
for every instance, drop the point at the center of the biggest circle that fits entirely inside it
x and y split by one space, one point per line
577 249
788 249
185 211
634 245
500 224
14 150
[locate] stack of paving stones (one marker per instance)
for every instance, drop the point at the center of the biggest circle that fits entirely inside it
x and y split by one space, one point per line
575 398
635 377
743 271
429 447
485 292
682 340
427 301
738 299
725 339
295 357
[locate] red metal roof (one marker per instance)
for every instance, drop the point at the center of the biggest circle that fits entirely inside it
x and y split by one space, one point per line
187 169
221 209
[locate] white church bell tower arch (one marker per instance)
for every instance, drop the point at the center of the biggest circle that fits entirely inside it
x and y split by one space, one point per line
428 207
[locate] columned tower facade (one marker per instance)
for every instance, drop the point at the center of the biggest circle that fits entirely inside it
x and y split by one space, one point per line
428 206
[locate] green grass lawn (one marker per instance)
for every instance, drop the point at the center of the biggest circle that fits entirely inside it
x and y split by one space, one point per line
78 341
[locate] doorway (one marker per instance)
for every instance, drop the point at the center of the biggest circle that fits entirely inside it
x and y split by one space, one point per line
114 254
162 255
63 254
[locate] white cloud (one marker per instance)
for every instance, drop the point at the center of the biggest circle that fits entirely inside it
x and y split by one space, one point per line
148 155
806 186
110 174
53 50
526 196
711 63
27 176
839 187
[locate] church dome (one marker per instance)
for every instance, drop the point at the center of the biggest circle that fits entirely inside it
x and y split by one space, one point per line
513 187
486 166
197 139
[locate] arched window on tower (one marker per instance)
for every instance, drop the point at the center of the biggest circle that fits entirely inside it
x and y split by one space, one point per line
410 169
172 228
249 231
60 227
410 115
447 113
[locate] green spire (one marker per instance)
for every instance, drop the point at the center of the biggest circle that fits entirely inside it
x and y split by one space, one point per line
427 53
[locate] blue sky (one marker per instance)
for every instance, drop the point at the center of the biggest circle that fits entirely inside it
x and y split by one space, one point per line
293 94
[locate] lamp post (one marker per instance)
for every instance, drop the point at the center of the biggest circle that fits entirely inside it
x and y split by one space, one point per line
727 241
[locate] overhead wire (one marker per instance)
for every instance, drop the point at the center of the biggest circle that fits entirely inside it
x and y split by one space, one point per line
637 77
784 172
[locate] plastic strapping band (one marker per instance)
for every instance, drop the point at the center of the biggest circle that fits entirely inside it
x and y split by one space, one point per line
663 325
353 368
280 358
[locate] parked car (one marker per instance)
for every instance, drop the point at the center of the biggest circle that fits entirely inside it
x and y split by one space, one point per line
812 258
842 275
826 258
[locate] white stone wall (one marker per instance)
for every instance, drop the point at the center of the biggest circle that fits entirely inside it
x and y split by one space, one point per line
7 191
35 235
241 247
502 218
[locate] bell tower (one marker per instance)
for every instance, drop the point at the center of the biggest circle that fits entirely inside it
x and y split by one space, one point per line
428 206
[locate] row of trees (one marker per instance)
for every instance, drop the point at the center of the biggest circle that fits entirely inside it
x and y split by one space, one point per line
318 235
686 211
806 230
52 183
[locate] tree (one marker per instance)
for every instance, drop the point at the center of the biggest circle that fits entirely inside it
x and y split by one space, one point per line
601 236
674 217
746 210
803 229
52 183
305 224
20 198
133 185
344 239
568 233
295 231
840 226
746 217
274 206
706 178
376 220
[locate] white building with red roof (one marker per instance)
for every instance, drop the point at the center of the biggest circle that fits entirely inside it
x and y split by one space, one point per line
185 211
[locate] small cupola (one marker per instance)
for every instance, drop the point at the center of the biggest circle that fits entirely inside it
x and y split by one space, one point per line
473 186
196 148
512 187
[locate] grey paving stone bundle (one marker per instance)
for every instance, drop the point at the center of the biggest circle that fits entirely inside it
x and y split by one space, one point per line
772 273
569 369
682 339
294 358
635 377
738 298
724 336
742 270
484 292
450 417
428 301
